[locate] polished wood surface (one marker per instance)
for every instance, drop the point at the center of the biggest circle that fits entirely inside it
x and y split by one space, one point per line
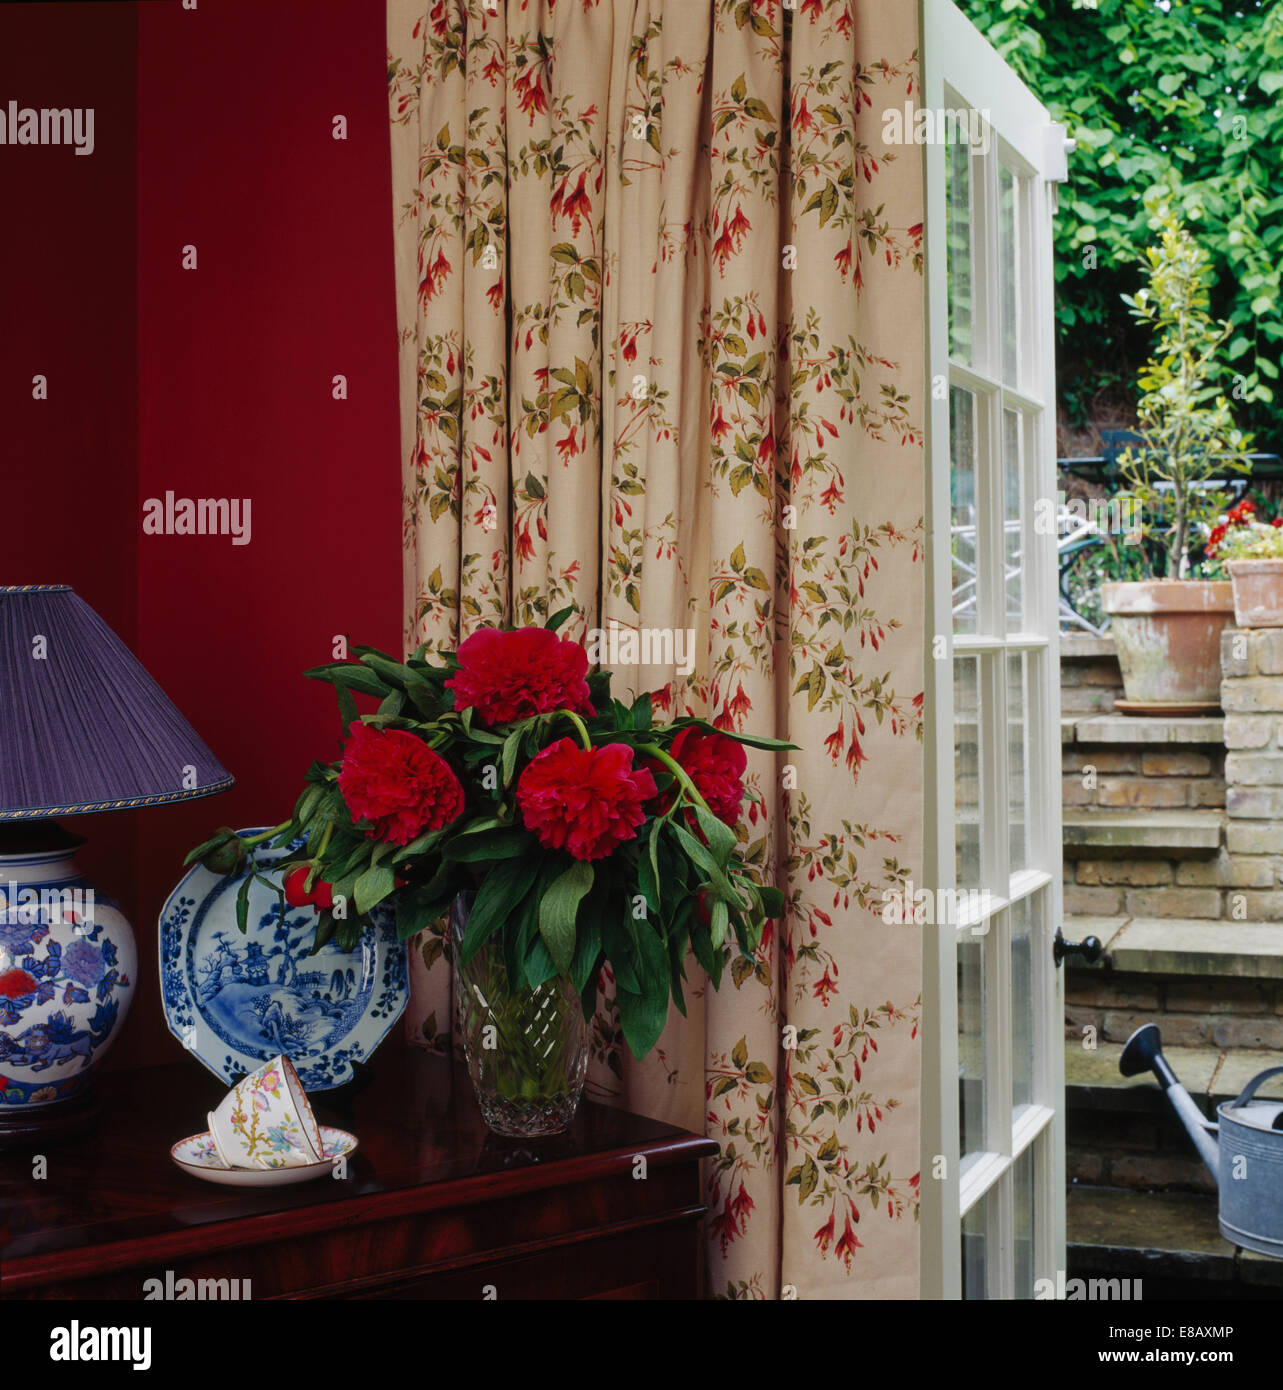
432 1205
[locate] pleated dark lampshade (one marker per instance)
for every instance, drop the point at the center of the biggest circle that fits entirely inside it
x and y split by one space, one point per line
83 727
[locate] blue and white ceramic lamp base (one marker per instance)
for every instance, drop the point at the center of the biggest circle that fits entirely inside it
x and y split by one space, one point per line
68 965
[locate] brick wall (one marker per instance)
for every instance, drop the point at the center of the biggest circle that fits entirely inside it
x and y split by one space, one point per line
1252 697
1113 778
1163 883
1197 1011
1089 684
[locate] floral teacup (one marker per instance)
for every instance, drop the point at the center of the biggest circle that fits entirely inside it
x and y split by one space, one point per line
265 1121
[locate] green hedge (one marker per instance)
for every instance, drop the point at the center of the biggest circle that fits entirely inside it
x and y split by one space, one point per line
1183 97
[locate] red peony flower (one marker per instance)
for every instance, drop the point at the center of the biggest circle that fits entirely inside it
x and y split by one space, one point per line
585 800
397 783
716 765
507 676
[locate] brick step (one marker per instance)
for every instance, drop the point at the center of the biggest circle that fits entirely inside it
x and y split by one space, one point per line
1170 1241
1099 833
1210 1074
1090 679
1086 647
1182 947
1142 731
1122 1131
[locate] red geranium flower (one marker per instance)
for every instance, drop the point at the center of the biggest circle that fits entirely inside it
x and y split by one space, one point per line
716 765
398 784
585 800
507 676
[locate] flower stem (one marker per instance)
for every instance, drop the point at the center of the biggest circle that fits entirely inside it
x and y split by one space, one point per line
580 725
265 835
678 771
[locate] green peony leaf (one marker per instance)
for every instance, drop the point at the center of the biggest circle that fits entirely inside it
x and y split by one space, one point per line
503 887
558 910
375 884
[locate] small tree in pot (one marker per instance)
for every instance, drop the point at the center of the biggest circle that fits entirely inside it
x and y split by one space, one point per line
1167 626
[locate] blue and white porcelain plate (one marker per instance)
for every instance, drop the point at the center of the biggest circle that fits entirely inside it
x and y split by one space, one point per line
234 1000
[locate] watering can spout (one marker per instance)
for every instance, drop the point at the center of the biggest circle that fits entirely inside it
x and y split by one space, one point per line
1144 1052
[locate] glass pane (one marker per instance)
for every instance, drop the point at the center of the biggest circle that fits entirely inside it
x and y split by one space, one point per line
1023 1184
971 1044
1009 276
1022 1006
974 1250
1018 713
961 326
1013 517
962 453
966 767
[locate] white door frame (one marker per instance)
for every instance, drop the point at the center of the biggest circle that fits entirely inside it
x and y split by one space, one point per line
959 66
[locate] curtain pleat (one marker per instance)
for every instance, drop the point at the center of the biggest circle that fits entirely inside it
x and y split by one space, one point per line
659 291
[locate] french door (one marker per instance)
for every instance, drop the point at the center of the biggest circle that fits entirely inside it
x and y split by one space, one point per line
993 1072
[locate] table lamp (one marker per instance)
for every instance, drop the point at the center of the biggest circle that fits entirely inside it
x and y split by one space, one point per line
83 728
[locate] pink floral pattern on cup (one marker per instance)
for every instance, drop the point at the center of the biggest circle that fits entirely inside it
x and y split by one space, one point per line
265 1121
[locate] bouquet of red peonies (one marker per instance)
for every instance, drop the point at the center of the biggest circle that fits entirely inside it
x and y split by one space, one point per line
587 835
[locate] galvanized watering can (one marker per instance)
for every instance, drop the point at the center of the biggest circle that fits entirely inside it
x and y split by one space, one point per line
1243 1150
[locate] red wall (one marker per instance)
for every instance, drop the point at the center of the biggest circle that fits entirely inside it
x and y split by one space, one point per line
229 388
68 248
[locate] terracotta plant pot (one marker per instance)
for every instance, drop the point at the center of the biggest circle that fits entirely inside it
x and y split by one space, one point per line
1167 633
1258 592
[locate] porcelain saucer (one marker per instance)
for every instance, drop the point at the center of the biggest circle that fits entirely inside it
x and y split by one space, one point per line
198 1156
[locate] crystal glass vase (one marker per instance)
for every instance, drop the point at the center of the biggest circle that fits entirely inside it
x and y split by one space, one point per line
526 1049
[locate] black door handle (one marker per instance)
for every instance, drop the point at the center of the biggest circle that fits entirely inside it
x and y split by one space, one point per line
1090 948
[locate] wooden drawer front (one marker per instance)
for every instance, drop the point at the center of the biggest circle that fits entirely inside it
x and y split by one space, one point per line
379 1245
651 1263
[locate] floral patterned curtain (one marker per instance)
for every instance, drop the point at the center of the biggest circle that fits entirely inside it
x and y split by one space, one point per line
660 288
